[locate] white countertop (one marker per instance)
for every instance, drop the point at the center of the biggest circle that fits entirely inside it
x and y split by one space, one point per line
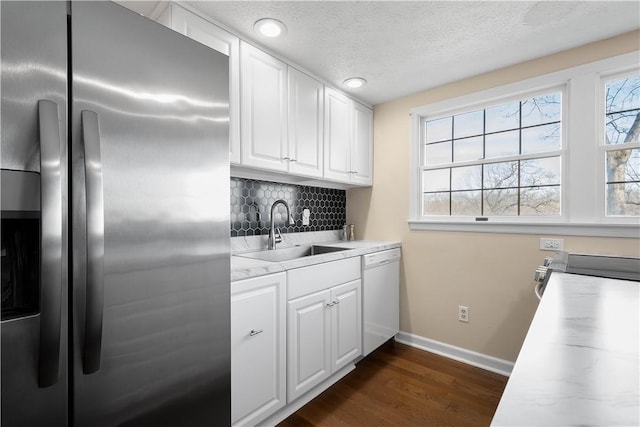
244 268
579 364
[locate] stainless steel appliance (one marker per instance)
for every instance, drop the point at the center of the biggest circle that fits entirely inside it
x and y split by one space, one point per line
115 239
611 267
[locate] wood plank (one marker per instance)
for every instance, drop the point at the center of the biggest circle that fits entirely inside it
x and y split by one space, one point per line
398 385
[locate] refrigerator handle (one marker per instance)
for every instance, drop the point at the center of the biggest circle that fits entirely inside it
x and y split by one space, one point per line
95 242
51 243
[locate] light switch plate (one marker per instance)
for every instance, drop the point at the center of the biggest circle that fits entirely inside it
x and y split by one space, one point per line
306 214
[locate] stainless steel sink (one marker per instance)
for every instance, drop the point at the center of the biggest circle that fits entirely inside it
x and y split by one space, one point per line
287 254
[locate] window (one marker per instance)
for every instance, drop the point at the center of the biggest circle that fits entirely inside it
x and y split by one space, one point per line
503 160
558 153
621 142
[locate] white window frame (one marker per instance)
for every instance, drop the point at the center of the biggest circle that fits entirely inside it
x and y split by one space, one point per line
582 212
538 155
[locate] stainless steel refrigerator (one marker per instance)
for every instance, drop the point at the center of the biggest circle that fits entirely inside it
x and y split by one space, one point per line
115 220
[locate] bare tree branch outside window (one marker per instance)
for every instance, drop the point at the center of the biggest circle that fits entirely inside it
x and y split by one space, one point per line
622 126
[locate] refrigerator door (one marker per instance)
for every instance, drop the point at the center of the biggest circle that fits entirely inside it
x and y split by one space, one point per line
34 225
151 259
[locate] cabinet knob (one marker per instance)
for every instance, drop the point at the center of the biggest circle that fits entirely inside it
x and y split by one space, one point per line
255 332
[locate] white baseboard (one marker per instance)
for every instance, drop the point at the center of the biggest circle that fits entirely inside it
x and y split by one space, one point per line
490 363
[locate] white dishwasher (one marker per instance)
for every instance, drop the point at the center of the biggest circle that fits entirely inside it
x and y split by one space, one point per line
380 298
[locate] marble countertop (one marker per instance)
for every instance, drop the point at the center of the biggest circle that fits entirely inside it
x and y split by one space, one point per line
580 362
245 268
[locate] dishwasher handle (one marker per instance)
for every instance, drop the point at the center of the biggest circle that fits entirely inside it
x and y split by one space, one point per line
381 258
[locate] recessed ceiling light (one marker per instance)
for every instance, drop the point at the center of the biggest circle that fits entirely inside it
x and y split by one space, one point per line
355 82
270 27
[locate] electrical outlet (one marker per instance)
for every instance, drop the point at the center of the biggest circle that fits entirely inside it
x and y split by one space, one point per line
551 244
463 313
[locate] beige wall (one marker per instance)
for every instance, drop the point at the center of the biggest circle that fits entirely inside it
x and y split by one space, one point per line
492 274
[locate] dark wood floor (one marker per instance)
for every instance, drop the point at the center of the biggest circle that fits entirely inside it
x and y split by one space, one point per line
398 385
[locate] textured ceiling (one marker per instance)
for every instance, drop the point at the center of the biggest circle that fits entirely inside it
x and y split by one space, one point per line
403 47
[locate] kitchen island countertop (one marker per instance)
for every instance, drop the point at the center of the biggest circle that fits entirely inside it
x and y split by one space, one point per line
579 364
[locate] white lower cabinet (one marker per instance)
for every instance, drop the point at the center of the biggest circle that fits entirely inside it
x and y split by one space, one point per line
258 348
346 324
309 337
324 325
289 333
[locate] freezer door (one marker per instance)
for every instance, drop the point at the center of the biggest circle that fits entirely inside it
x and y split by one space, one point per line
150 159
33 158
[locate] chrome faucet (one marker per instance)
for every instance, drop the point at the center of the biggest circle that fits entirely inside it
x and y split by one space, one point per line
273 238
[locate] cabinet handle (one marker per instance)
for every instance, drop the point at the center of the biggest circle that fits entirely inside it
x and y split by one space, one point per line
286 158
331 304
255 332
292 160
336 302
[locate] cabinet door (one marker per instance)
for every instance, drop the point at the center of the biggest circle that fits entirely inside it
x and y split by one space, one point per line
309 343
263 109
306 100
346 324
258 348
218 39
337 136
362 145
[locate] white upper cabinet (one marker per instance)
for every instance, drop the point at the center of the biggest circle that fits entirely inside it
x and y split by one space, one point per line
362 145
337 136
348 140
306 113
281 116
263 115
281 119
218 39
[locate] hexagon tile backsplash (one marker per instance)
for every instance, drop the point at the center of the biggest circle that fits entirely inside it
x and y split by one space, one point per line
251 206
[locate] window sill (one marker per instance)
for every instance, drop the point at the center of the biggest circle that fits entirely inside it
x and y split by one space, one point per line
563 229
